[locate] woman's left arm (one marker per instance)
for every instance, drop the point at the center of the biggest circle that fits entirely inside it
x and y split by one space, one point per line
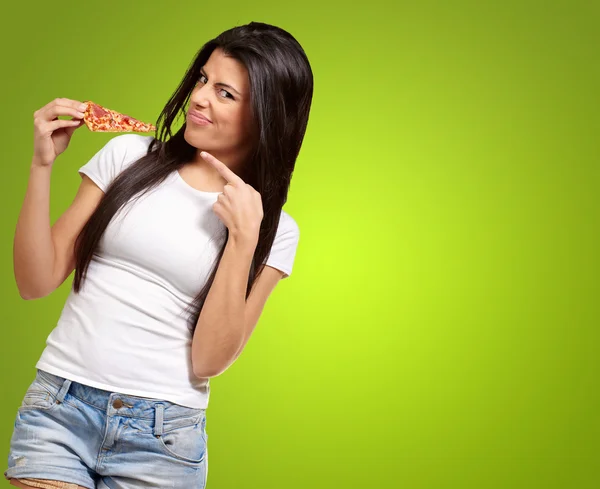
221 326
220 330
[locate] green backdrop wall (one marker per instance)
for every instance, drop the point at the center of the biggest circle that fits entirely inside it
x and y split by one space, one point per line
440 328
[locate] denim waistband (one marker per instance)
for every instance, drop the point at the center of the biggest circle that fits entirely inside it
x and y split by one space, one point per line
117 403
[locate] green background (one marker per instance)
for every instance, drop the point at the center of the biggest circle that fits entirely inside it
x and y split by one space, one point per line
440 328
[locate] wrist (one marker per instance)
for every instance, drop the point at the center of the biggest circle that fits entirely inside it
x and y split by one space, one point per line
243 244
37 162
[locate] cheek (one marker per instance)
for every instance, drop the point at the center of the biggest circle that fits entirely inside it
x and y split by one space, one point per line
236 125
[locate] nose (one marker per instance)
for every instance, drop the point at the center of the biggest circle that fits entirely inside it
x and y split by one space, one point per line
200 96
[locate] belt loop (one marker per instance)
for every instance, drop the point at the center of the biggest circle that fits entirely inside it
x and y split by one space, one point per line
60 397
158 419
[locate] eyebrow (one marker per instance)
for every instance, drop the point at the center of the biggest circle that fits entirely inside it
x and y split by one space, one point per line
220 84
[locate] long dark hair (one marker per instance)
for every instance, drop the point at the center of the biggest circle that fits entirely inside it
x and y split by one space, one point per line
281 84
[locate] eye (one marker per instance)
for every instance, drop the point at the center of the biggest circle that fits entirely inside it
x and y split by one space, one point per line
200 79
227 94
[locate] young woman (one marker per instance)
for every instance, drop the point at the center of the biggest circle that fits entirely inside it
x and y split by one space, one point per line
176 242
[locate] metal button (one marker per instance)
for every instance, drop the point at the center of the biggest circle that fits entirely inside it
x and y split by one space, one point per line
118 404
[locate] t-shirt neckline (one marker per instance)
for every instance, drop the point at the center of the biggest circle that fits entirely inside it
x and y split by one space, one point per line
195 191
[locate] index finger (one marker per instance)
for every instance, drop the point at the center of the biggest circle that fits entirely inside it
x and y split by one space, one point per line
59 104
222 168
74 104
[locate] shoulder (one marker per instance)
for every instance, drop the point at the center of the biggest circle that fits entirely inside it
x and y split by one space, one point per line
116 155
288 232
287 224
130 143
283 251
127 148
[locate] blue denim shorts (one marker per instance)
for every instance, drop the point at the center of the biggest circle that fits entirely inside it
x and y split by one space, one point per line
98 439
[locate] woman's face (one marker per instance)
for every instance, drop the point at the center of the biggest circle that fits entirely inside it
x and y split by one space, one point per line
222 95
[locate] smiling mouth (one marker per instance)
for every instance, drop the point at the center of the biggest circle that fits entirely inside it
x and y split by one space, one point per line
198 120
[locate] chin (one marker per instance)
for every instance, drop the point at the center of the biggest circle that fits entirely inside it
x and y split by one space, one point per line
195 140
201 141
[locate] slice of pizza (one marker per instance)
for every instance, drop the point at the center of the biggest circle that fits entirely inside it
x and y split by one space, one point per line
101 119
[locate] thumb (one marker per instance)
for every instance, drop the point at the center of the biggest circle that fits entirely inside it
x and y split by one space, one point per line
72 129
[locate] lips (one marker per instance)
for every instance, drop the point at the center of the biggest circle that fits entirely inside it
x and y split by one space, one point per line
199 117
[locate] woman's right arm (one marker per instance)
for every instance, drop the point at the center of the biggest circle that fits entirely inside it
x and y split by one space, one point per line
43 255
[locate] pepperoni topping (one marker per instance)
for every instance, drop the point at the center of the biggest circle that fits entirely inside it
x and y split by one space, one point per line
99 111
105 120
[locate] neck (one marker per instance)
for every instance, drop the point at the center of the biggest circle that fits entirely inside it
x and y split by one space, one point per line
233 162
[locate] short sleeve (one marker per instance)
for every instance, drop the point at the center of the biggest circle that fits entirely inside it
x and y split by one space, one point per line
108 162
283 251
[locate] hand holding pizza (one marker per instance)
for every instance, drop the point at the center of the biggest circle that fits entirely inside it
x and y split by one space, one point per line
51 135
239 207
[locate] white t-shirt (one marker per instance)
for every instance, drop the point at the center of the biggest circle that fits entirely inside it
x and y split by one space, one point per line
126 330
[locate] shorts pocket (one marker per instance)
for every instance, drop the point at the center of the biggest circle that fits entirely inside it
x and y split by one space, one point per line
38 396
185 442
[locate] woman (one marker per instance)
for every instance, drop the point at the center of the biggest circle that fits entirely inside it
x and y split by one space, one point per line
176 243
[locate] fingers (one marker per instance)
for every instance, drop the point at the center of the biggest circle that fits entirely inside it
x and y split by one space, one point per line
71 129
66 102
54 125
223 169
58 110
61 107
